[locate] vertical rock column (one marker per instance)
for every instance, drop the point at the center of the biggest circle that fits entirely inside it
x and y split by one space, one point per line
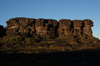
64 27
45 28
40 28
77 26
23 25
32 26
51 28
87 27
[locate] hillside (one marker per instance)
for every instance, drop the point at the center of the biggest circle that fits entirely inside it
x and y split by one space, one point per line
46 42
27 35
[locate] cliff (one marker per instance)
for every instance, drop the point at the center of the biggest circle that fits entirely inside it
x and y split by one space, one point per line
49 28
23 35
42 42
72 31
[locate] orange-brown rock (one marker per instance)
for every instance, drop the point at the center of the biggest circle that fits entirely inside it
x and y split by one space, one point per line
65 27
49 28
77 26
43 28
87 27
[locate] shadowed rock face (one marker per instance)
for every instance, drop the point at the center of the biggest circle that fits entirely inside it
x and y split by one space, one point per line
1 31
49 28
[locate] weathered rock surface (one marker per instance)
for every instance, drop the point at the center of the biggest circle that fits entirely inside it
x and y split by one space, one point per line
45 28
87 27
19 25
77 26
65 27
48 28
76 31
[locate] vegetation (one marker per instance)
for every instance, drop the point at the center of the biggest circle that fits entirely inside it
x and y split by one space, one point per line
20 44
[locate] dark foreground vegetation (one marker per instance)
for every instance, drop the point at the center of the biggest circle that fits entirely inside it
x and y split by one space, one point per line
28 51
24 44
46 42
69 58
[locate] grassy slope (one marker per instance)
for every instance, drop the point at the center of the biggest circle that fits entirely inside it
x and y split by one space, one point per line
22 44
62 51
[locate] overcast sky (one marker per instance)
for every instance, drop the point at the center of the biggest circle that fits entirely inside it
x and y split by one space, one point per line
52 9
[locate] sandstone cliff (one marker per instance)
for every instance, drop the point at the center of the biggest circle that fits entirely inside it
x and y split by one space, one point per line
49 28
44 35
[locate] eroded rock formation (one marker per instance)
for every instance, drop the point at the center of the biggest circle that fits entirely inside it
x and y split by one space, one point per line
65 27
77 26
45 28
48 28
19 25
87 27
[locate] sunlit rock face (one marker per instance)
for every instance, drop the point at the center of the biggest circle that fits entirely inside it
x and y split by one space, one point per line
49 28
87 27
65 27
19 25
46 28
77 26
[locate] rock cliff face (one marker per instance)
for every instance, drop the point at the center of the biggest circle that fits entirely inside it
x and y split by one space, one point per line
65 27
87 27
75 27
43 28
48 28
